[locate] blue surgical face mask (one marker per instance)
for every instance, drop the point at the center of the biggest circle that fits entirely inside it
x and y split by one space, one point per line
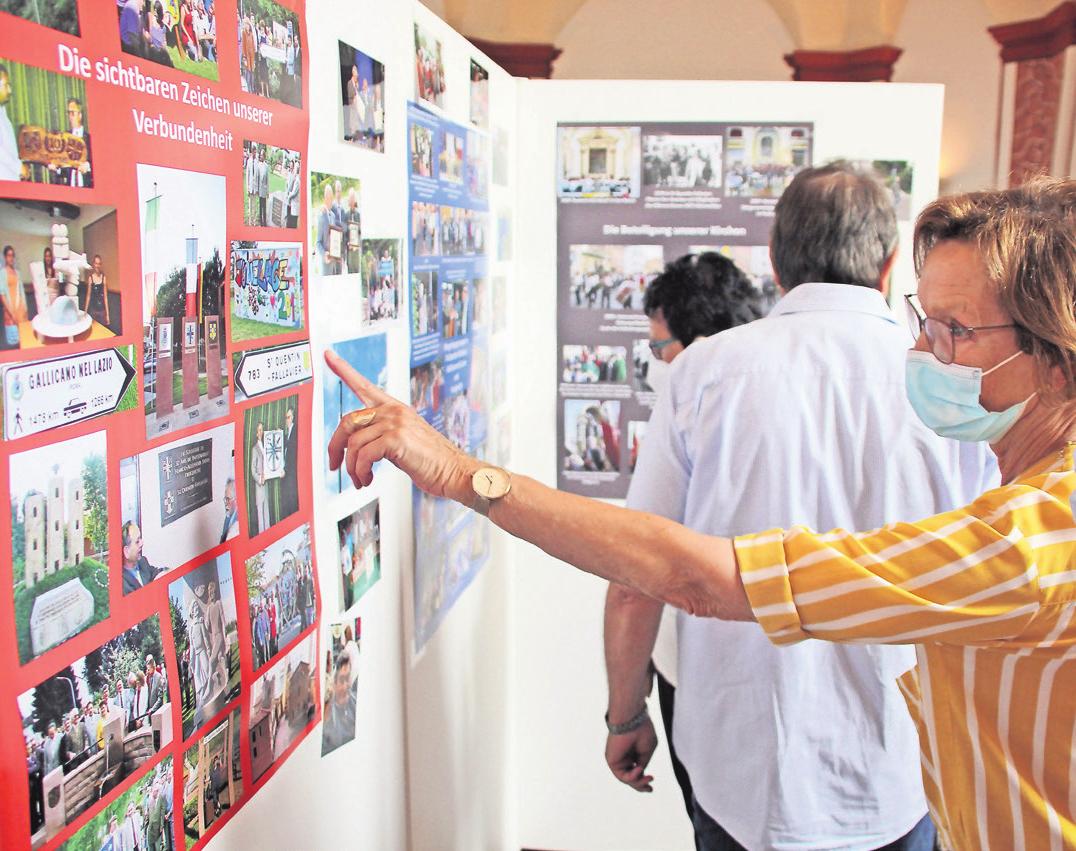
946 398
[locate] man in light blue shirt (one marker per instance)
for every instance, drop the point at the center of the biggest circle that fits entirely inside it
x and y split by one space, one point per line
797 418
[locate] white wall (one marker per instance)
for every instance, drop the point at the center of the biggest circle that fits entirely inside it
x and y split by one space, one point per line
567 797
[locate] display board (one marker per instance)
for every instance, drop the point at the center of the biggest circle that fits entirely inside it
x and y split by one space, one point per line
159 636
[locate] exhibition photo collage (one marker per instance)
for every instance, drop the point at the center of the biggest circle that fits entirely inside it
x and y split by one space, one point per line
150 549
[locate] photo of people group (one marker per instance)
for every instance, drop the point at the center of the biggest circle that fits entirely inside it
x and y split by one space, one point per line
270 51
591 436
421 139
360 553
283 703
368 355
141 817
424 313
180 34
429 69
61 273
272 184
613 277
36 145
335 224
177 502
92 723
59 541
341 688
682 162
380 280
427 383
281 593
184 363
761 160
362 95
455 309
450 162
212 778
594 365
271 462
598 162
425 229
205 632
463 231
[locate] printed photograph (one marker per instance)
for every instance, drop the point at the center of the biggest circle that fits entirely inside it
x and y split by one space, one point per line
897 177
271 462
272 184
595 365
335 224
362 95
282 594
682 162
612 277
283 703
340 691
591 436
177 502
425 229
421 140
429 69
139 818
636 435
369 355
212 779
380 280
455 309
753 261
204 627
457 425
184 363
479 95
450 162
44 127
424 314
59 15
463 231
61 273
93 723
270 51
481 316
598 162
761 160
641 358
59 541
477 164
360 553
267 289
180 34
427 384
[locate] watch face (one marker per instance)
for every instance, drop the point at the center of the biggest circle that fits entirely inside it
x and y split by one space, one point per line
491 482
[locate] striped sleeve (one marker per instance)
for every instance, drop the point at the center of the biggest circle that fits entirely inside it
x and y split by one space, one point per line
978 575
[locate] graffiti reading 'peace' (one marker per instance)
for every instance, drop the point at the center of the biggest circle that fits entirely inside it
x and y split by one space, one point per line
269 274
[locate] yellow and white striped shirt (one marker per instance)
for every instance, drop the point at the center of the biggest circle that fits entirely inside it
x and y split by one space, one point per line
988 594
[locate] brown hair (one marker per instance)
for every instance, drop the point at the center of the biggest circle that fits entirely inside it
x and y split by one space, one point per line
1027 239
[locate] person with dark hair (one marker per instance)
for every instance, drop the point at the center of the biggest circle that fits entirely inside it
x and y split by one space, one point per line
696 296
137 571
81 175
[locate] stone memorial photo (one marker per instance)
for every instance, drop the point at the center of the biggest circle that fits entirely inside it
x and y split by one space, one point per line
283 704
177 502
267 289
202 607
94 723
282 594
272 184
212 778
271 462
184 366
59 541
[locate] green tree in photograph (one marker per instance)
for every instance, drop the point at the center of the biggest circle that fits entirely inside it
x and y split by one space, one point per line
18 536
94 483
52 700
96 676
59 15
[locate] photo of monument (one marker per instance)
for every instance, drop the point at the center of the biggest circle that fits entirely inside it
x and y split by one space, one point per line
59 541
212 778
184 367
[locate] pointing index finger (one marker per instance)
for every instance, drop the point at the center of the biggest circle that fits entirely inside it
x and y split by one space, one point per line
365 389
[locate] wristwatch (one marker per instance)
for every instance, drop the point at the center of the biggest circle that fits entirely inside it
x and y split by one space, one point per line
489 484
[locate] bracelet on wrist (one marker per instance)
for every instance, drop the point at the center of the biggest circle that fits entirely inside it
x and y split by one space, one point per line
628 726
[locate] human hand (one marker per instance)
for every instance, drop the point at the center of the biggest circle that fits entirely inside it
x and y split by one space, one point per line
628 754
387 428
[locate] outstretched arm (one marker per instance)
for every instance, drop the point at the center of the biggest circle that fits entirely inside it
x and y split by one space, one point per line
660 558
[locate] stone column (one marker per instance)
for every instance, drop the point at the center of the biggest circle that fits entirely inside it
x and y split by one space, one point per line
1037 123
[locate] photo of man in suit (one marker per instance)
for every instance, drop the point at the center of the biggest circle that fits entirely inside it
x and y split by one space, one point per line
289 495
137 570
231 512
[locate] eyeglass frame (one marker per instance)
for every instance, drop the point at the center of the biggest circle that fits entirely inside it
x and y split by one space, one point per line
658 346
955 329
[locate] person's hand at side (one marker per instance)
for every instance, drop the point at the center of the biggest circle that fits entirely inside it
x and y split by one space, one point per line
628 754
389 429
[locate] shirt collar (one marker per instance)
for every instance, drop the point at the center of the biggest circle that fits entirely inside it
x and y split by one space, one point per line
814 297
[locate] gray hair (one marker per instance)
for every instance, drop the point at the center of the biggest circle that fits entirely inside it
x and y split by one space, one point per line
833 224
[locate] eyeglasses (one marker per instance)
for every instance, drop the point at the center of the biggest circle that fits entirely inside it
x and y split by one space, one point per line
656 346
942 336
